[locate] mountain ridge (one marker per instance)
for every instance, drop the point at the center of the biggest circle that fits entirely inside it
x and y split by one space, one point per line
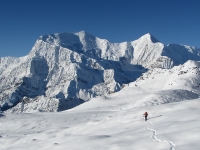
67 69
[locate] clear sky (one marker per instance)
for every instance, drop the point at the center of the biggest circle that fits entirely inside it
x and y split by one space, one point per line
170 21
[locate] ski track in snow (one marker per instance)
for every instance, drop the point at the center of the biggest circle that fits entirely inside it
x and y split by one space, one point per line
172 145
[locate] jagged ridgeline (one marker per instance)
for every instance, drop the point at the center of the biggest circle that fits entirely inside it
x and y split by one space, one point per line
65 70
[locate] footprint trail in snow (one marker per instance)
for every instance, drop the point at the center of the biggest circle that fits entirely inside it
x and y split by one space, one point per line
172 145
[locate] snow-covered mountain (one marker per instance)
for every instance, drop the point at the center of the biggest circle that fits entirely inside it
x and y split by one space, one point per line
64 70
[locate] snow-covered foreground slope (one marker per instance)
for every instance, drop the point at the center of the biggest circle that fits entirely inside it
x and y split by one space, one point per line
115 121
170 126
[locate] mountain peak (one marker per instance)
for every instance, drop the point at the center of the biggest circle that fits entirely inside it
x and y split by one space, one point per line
150 37
82 32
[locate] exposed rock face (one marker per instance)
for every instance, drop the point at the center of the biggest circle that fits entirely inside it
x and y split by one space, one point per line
65 70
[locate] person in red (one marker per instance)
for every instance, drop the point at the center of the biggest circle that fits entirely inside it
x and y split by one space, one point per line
145 115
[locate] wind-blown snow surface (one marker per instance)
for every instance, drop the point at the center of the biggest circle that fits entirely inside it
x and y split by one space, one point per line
65 70
115 121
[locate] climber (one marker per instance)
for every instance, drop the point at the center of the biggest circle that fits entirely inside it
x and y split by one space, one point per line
145 115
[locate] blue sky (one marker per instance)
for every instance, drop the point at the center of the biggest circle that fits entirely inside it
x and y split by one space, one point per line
170 21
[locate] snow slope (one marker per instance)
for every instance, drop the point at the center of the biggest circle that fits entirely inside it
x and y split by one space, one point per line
64 70
115 121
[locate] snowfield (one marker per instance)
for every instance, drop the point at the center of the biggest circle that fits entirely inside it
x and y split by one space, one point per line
115 121
170 126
